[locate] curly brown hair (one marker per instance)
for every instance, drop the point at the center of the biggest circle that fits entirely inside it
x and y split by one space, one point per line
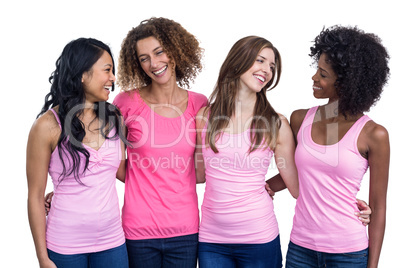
177 42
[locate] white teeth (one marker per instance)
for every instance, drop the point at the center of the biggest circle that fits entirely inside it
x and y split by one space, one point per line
316 88
108 88
160 71
262 79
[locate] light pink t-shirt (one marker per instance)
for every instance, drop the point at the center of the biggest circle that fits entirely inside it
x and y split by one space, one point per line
236 207
160 198
329 179
86 218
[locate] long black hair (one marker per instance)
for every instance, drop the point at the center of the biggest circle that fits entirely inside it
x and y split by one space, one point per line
67 93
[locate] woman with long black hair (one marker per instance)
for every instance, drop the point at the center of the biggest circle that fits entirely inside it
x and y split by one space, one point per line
77 139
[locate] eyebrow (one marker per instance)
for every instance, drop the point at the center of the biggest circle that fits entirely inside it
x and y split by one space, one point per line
323 70
152 51
272 63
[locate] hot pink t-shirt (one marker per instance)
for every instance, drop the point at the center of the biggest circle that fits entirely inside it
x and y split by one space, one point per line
160 198
86 218
329 179
236 207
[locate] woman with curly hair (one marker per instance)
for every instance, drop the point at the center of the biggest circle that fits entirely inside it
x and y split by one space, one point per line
77 140
160 213
336 143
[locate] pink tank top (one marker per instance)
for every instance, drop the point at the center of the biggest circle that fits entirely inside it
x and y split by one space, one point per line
160 199
236 207
86 218
329 179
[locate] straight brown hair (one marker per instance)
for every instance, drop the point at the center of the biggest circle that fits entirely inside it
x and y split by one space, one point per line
266 122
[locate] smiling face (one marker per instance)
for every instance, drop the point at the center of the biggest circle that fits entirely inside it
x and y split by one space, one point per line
98 81
324 80
255 78
154 60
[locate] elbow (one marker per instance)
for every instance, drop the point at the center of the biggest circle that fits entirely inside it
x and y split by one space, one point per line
295 190
121 176
200 178
200 181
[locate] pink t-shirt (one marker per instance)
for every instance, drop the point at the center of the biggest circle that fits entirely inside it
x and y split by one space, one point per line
236 207
329 179
86 218
160 198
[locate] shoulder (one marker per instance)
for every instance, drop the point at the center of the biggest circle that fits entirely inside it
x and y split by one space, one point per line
285 136
284 123
296 119
373 144
124 96
46 122
201 112
198 98
45 129
298 116
282 117
375 133
126 100
202 117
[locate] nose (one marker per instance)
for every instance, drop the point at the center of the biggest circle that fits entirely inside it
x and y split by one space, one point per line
153 61
315 76
112 78
266 69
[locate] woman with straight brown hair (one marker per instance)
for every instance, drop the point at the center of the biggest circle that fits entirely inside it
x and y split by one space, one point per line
238 133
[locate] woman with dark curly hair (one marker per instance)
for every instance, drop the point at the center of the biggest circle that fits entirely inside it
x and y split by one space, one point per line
336 143
160 213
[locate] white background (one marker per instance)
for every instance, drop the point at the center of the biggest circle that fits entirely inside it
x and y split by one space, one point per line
33 34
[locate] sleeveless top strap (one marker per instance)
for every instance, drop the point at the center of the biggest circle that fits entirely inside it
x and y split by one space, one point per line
307 122
353 134
57 117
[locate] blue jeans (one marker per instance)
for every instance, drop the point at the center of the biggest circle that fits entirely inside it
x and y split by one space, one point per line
268 255
174 252
111 258
300 257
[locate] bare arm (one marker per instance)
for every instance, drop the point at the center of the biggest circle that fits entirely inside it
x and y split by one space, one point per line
276 183
198 158
39 149
121 172
378 157
284 157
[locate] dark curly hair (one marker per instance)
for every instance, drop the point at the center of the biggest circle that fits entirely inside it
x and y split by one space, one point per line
360 62
178 43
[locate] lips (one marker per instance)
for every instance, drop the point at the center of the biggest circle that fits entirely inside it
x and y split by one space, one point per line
160 71
260 78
